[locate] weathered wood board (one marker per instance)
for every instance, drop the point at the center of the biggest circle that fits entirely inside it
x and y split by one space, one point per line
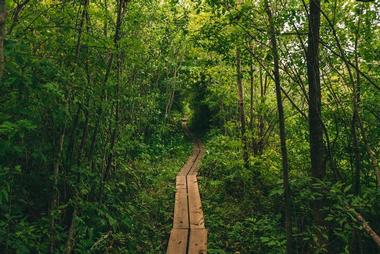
188 234
178 241
198 241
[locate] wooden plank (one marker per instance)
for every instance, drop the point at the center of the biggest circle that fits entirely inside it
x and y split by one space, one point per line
195 158
195 205
196 147
195 153
188 234
198 241
185 168
189 165
181 210
194 169
178 241
180 182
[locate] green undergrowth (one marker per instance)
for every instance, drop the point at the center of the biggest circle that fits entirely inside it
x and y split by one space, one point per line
243 207
153 207
148 213
134 215
238 214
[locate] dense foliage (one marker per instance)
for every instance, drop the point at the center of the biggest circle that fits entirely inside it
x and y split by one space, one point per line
93 93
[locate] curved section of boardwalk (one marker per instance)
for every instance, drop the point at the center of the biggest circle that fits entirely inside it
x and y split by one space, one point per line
189 234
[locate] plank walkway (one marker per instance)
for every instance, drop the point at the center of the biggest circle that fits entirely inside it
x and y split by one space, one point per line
189 234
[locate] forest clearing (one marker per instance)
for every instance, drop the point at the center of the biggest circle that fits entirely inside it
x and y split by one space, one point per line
190 126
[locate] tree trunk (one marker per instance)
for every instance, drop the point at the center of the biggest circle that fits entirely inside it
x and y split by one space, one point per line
80 28
241 107
72 138
261 125
54 200
348 64
120 12
370 152
84 138
318 170
366 227
71 235
355 240
281 119
2 35
122 4
355 114
16 14
172 94
251 116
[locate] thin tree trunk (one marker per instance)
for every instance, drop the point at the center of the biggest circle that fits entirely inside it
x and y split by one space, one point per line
80 28
83 139
16 14
105 25
260 141
2 35
342 53
241 108
251 116
54 200
367 228
171 96
222 109
318 170
355 114
281 119
71 235
114 132
120 12
355 246
106 77
348 64
72 138
370 152
170 103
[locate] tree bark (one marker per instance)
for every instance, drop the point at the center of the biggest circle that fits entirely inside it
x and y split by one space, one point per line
169 104
71 235
355 115
54 200
120 14
80 28
261 123
281 119
251 115
355 241
367 228
3 13
318 170
241 108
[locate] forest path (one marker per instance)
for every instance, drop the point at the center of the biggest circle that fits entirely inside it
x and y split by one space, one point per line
189 234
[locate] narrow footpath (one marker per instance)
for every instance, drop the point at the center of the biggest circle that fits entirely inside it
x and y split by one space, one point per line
189 234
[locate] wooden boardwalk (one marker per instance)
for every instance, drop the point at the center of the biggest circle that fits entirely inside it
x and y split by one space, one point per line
189 234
